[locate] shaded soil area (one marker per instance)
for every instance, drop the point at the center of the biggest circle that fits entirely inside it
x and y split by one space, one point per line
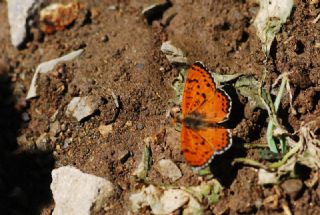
122 57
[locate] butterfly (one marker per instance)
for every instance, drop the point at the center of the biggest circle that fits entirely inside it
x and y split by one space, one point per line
204 107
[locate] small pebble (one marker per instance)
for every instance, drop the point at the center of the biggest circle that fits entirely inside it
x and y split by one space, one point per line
140 66
83 107
302 110
67 142
43 142
128 124
140 126
55 128
105 38
292 187
113 7
25 117
105 130
63 127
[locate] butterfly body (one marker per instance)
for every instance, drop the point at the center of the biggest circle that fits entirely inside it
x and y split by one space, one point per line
197 121
204 107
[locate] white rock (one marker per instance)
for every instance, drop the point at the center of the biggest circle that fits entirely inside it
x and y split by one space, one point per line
169 169
75 192
82 107
48 66
173 54
18 13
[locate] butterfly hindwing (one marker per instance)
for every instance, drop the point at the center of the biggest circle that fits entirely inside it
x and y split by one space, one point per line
197 152
219 138
200 146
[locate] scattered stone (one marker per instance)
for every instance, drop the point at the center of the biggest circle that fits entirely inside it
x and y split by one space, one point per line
113 7
167 168
292 187
104 38
18 14
47 67
94 13
140 126
173 54
54 116
25 117
105 130
164 201
64 127
155 9
58 147
56 16
82 107
140 66
42 142
67 142
75 192
124 156
55 128
128 124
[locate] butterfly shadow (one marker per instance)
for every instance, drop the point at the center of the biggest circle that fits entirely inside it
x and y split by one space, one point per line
237 108
221 166
25 175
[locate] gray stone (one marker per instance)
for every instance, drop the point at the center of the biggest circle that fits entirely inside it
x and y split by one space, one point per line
18 13
140 126
82 107
75 192
25 117
174 55
167 168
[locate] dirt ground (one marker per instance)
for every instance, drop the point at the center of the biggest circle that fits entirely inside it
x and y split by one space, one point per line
122 55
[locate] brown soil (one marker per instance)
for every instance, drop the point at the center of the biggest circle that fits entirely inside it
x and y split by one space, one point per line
131 65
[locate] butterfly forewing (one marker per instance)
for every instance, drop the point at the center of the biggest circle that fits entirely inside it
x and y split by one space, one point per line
201 96
198 86
217 108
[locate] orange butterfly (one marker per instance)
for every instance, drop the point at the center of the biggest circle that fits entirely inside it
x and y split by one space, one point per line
204 106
